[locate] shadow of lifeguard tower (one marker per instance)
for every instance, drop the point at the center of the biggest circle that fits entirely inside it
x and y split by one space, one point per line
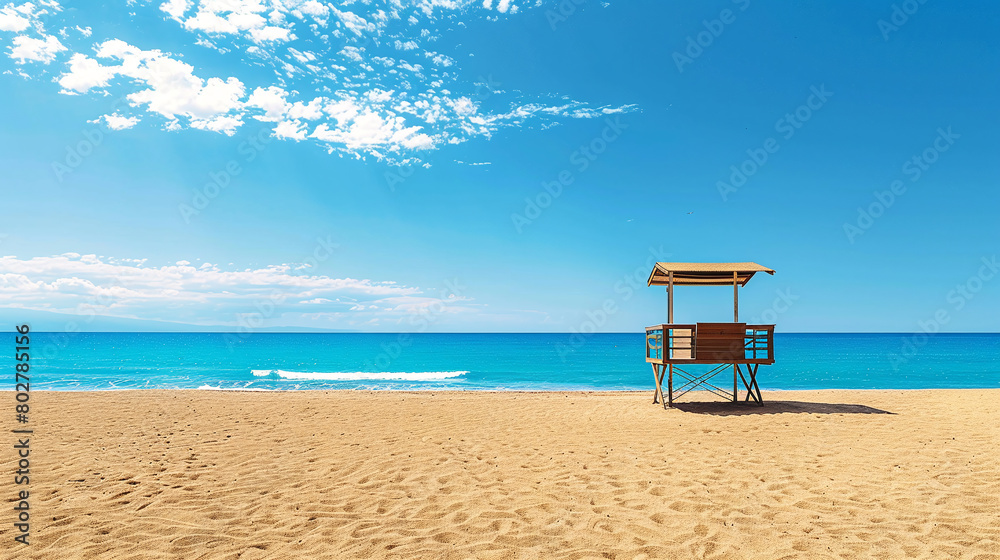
671 347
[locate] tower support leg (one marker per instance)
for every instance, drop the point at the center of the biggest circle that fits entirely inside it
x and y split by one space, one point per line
735 386
670 386
658 382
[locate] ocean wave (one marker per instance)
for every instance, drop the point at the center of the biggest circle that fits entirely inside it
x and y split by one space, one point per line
360 375
207 387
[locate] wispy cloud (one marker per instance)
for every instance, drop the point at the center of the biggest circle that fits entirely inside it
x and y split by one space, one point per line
193 293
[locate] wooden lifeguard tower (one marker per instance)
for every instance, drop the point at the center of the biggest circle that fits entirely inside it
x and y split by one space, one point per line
720 345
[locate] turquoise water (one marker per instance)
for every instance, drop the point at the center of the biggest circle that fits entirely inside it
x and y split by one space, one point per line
101 361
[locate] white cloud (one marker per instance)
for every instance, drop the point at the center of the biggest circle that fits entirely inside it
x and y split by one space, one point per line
463 106
39 50
175 8
309 111
84 74
172 88
314 8
176 91
226 124
259 21
416 68
379 96
270 33
114 121
271 100
354 23
12 19
352 53
303 57
369 129
343 110
199 294
293 130
440 59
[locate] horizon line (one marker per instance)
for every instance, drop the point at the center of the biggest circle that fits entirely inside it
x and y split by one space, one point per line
244 333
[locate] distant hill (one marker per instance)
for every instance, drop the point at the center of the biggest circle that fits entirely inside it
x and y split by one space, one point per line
47 321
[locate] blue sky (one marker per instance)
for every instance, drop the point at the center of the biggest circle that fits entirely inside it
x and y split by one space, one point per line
498 165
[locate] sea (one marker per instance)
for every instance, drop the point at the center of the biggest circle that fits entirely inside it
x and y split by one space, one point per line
469 362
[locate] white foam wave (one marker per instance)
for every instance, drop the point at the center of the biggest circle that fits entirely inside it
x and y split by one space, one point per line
207 387
360 375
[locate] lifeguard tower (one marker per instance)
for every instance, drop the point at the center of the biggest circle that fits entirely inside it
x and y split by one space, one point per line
672 347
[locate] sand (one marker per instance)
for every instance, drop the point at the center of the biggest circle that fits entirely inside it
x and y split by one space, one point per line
201 474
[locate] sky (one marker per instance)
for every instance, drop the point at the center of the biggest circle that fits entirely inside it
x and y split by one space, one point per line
498 165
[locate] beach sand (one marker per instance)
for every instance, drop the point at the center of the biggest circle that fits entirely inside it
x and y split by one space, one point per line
203 474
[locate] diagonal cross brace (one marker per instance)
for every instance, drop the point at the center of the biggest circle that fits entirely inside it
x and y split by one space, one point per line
693 381
753 390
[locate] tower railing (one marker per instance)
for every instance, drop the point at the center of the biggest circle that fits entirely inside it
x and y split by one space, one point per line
679 343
